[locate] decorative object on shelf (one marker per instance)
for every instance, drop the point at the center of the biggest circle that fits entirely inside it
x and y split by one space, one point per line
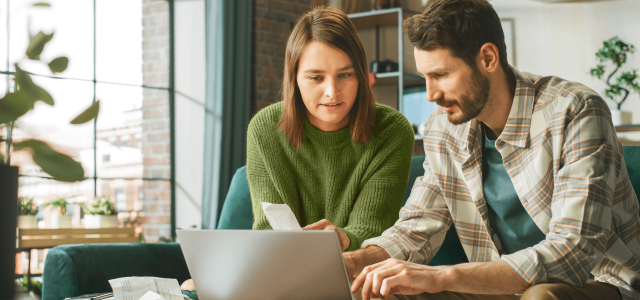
61 219
615 51
27 215
384 66
102 214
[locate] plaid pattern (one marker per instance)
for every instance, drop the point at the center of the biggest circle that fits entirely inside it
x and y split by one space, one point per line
562 154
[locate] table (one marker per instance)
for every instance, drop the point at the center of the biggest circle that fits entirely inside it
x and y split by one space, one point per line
28 239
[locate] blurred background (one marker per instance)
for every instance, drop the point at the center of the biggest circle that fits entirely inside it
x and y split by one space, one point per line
179 80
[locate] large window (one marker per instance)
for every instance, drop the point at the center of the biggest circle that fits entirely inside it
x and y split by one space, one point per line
119 53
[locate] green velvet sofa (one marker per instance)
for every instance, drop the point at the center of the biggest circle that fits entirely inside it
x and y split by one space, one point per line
73 270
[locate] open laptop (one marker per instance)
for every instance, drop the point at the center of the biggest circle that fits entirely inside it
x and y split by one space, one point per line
265 264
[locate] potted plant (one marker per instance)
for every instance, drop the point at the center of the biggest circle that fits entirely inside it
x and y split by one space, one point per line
61 167
61 219
615 52
27 215
102 214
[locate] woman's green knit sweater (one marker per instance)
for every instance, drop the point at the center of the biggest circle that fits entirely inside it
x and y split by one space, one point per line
359 188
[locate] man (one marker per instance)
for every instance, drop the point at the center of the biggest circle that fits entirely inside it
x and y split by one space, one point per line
527 168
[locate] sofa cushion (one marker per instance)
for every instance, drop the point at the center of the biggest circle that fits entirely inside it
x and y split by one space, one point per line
632 161
72 270
236 210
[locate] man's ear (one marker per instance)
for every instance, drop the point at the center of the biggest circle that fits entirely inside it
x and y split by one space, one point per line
489 57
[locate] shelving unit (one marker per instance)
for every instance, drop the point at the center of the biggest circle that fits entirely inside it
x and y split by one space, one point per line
388 84
628 128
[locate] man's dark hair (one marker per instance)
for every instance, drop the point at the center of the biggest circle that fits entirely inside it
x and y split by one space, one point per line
461 26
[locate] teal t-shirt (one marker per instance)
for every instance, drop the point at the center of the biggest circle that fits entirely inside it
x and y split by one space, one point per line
511 222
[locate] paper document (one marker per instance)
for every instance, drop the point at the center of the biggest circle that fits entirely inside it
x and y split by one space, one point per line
280 216
135 288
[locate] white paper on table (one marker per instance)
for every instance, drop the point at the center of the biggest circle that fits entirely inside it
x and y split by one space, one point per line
280 216
152 296
134 288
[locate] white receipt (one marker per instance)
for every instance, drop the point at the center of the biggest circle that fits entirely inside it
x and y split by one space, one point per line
152 296
135 288
280 216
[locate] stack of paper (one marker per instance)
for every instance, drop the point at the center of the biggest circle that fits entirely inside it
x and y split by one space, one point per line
146 288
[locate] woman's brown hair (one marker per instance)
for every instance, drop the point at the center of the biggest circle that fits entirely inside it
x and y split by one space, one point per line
332 27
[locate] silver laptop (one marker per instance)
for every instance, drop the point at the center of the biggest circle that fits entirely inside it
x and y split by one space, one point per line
265 264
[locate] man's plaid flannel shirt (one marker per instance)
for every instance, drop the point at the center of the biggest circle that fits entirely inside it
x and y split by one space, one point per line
565 161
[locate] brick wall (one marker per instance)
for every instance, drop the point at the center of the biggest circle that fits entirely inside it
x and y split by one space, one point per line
155 126
272 23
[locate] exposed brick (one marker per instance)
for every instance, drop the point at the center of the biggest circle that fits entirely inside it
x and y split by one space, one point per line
157 149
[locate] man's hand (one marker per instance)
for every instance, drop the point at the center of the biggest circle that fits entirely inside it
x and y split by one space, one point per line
394 276
325 224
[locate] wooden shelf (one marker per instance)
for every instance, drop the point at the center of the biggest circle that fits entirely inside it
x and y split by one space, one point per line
48 238
628 128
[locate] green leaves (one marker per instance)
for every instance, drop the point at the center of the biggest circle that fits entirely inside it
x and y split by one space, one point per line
14 105
598 71
60 166
25 83
615 50
629 79
102 206
59 64
42 4
37 43
88 114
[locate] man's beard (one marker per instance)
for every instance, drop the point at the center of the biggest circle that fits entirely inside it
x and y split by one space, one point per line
470 107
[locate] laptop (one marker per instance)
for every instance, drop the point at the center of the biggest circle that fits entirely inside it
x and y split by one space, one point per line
265 264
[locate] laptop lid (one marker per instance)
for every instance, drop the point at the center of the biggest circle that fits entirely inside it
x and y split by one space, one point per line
265 264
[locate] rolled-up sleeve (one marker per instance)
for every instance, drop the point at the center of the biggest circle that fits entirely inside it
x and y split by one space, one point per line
422 225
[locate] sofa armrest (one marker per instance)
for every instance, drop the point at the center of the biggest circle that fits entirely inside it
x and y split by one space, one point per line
73 270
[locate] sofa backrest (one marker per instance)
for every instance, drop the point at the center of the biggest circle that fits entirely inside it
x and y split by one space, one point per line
236 210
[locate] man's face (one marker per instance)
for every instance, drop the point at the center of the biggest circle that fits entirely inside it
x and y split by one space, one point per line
452 84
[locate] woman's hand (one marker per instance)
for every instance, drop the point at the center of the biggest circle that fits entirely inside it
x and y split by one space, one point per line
325 224
187 285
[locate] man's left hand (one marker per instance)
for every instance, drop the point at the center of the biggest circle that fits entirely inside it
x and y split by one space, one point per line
394 276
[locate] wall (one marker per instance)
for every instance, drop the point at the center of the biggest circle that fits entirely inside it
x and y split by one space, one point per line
272 23
561 39
155 111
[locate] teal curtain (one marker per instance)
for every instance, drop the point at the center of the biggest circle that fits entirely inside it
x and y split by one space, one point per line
227 99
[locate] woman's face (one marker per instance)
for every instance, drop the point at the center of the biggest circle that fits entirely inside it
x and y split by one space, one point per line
328 86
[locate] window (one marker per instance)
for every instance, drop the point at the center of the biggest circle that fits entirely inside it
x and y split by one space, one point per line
128 71
121 200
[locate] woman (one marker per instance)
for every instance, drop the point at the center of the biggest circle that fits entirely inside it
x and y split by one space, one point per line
338 159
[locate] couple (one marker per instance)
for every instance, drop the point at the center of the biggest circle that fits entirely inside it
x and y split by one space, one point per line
527 168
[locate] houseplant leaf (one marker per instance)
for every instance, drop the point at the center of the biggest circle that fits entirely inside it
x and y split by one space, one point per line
26 84
60 166
88 114
59 64
37 43
14 105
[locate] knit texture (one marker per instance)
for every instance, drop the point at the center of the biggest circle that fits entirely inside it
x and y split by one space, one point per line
359 188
